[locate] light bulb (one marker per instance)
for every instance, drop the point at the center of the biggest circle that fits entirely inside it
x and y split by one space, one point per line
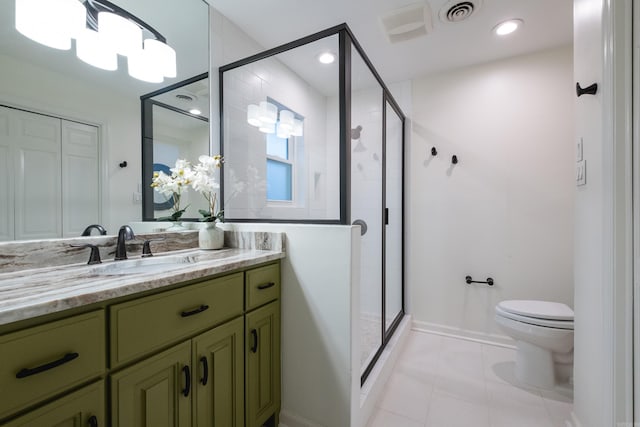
326 58
297 128
122 35
286 120
268 128
163 55
91 49
253 112
52 23
141 67
507 27
268 113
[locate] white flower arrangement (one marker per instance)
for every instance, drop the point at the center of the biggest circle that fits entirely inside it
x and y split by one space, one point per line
204 181
173 185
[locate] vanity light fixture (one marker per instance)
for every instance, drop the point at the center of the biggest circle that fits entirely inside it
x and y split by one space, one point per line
102 31
265 118
326 58
507 27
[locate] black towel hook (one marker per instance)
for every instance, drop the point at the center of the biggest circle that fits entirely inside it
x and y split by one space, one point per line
123 164
434 152
454 159
589 90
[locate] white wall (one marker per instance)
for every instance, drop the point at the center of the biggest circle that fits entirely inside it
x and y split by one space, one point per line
320 278
589 378
117 114
604 360
506 209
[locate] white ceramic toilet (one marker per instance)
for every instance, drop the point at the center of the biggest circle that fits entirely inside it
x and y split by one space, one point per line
543 332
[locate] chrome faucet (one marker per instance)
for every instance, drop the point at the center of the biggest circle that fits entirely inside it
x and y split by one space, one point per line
101 230
125 233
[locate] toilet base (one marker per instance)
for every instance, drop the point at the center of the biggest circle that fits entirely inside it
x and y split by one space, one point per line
534 365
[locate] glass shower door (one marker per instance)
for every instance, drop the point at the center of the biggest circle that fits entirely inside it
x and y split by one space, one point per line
393 217
366 200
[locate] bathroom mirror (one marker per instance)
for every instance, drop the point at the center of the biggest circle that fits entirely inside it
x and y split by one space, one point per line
175 125
56 84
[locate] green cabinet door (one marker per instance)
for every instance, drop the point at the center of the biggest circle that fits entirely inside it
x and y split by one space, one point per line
82 408
155 392
218 390
262 364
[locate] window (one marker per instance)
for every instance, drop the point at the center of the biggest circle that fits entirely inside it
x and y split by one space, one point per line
280 168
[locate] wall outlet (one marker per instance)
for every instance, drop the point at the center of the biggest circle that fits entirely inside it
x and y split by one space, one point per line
581 173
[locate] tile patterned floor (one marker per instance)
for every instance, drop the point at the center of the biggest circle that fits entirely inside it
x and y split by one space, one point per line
440 381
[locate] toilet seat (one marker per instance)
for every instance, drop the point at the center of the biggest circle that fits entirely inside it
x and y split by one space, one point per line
539 313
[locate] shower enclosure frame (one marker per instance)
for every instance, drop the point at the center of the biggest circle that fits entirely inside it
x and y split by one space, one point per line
346 41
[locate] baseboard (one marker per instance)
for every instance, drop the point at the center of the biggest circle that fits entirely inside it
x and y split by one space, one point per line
449 331
288 419
575 422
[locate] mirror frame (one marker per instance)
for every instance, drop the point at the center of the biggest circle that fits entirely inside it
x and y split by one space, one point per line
147 103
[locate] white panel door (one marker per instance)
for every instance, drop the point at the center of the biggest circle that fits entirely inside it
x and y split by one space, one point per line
38 211
6 177
80 178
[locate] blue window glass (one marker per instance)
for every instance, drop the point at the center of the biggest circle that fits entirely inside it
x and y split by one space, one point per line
278 180
277 147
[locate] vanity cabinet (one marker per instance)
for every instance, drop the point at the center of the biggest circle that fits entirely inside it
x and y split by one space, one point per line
202 354
263 364
204 374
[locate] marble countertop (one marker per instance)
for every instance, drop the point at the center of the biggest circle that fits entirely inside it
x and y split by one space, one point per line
35 292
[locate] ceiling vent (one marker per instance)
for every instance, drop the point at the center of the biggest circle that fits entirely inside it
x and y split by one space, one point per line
185 97
408 22
455 11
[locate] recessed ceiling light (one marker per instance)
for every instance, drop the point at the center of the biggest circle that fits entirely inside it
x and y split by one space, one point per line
326 58
507 27
195 111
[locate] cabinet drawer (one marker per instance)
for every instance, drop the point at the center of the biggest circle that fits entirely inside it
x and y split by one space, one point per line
146 324
263 285
42 361
81 408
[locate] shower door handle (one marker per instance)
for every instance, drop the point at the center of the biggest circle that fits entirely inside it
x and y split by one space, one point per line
386 216
362 224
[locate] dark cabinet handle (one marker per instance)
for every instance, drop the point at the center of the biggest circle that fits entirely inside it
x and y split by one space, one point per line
254 334
26 372
205 370
266 285
196 311
92 421
187 381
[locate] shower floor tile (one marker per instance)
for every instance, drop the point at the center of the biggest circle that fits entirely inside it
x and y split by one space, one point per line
441 381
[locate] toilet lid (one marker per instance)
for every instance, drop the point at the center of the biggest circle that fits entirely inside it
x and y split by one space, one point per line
538 309
547 323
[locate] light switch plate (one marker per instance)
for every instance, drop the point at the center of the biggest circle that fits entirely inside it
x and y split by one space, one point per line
579 150
581 173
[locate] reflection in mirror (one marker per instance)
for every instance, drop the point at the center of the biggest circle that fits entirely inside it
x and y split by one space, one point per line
98 109
175 126
281 138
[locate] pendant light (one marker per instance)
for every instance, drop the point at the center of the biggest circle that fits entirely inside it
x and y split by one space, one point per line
52 23
91 49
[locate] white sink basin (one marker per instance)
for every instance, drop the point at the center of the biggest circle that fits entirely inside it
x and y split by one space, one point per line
143 265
